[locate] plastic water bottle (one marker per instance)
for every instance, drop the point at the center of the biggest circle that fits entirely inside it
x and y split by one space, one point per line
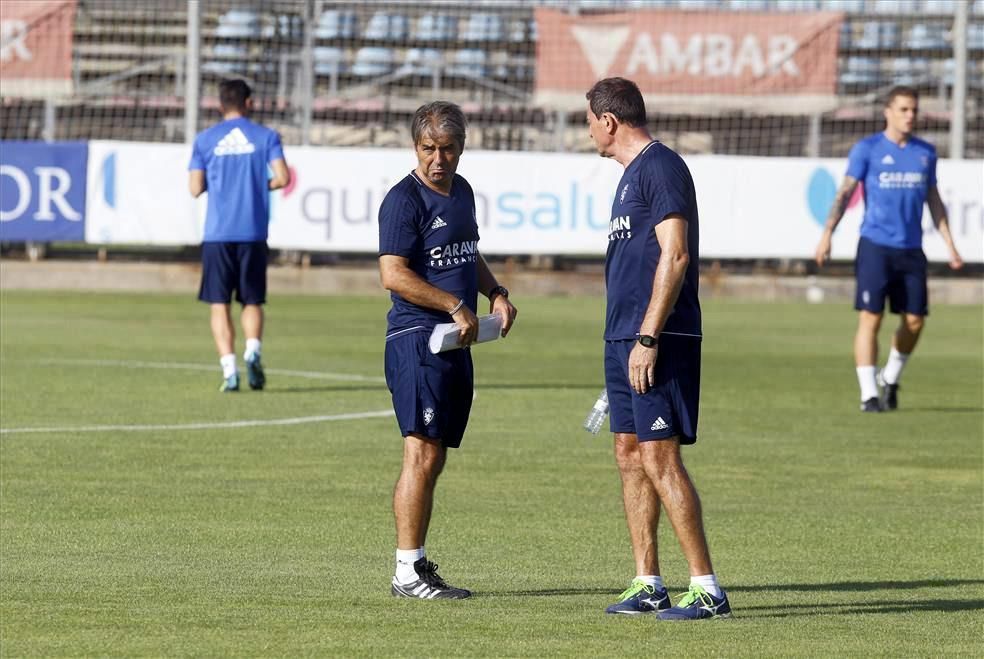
597 415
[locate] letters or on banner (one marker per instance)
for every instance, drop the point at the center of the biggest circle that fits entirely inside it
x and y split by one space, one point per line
36 47
526 203
42 191
725 55
138 194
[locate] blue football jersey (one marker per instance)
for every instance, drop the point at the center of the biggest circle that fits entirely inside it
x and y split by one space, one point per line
896 180
657 183
235 155
439 236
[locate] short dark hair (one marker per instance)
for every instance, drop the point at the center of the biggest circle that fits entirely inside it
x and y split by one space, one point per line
233 94
619 96
901 90
440 116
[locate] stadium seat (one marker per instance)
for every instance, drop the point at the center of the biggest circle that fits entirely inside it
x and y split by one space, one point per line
328 60
860 71
847 6
386 26
337 24
238 23
797 5
482 27
468 63
749 5
230 59
975 36
926 36
422 61
910 71
436 27
896 7
373 62
877 34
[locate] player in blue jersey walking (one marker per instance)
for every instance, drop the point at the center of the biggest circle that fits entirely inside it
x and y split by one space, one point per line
430 263
652 350
232 161
898 172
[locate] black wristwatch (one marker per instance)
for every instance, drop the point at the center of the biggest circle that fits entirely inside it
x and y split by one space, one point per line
648 341
498 290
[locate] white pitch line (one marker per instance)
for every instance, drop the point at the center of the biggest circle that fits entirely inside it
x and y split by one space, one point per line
313 375
204 426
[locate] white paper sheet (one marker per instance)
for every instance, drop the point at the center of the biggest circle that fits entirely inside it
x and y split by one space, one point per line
445 336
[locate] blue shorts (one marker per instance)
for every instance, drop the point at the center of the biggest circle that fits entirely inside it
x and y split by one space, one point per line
899 274
669 409
234 266
432 394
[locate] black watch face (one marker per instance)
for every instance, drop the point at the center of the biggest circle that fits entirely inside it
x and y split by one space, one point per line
647 341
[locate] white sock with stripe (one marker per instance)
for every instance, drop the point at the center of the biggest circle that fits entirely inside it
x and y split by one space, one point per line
405 558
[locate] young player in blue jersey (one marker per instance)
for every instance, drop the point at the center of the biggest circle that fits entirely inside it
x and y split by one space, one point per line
898 174
652 350
430 263
231 161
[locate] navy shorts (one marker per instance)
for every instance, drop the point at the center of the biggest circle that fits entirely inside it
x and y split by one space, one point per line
899 274
432 394
669 409
234 266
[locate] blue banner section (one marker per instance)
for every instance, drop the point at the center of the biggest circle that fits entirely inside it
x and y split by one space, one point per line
42 191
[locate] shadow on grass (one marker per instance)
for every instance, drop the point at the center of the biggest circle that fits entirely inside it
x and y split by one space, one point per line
942 408
549 592
479 386
858 586
857 608
324 389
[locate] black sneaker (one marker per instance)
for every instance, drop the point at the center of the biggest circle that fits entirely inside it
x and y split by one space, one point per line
889 395
871 405
429 585
254 373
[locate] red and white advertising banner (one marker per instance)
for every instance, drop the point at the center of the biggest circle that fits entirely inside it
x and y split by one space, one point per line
36 47
723 60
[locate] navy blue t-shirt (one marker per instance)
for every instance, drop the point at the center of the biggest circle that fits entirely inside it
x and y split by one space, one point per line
896 181
439 234
656 183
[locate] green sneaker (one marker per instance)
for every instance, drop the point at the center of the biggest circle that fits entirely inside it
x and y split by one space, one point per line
698 604
640 598
231 383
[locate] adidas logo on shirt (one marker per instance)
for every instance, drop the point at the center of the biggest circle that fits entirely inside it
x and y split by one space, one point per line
659 424
234 144
438 223
888 159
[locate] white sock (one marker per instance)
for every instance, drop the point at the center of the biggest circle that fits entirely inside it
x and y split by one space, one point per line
708 582
654 580
866 378
228 365
405 558
893 368
252 348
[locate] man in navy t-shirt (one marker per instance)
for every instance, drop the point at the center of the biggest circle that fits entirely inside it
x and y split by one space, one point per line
430 263
898 173
231 161
652 350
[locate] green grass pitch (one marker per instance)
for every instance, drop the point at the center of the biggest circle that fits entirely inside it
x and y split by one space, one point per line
144 523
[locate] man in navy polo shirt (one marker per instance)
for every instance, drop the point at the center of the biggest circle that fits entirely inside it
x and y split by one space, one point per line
430 263
652 350
898 171
231 161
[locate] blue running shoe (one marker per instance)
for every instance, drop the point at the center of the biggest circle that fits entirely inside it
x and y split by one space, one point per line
640 598
698 604
254 373
231 383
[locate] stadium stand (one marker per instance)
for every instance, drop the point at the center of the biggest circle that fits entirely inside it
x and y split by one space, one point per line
374 62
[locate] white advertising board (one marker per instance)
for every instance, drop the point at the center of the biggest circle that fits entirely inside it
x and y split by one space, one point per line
527 203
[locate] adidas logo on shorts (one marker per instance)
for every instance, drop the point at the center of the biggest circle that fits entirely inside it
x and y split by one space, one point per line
659 424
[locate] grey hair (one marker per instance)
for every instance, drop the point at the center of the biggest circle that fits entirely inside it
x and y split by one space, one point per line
439 117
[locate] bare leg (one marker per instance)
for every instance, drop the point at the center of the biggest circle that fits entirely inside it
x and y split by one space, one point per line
223 330
413 498
641 503
907 333
866 339
664 465
252 321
